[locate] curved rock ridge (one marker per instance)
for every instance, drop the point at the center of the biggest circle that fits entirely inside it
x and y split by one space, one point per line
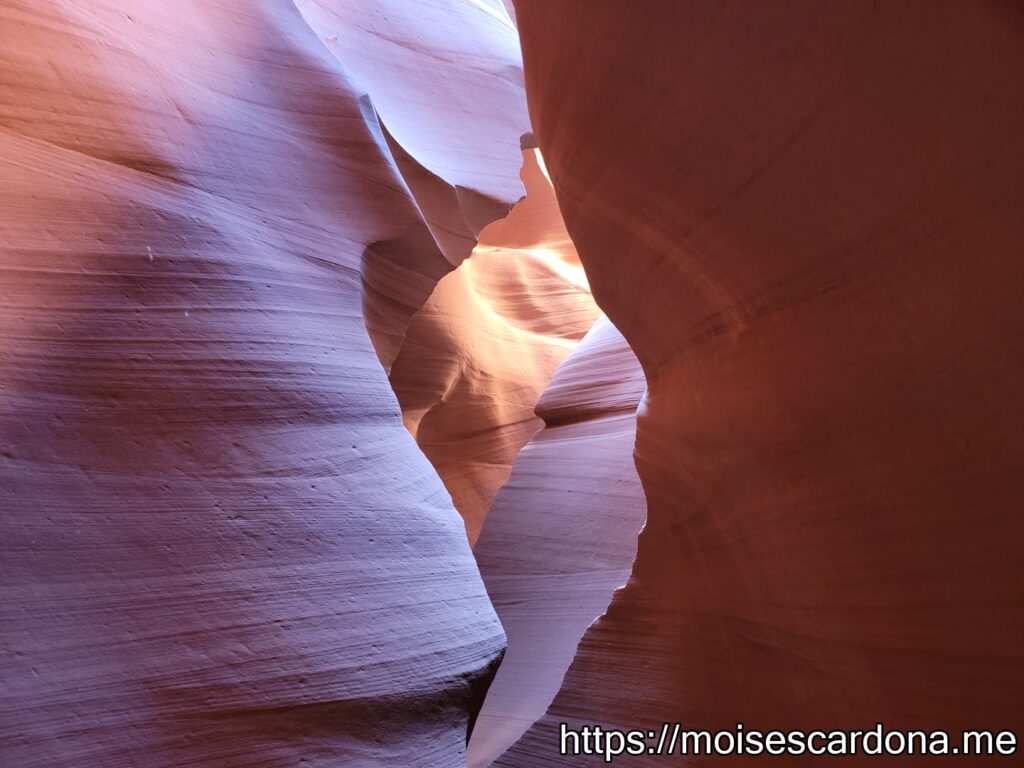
446 100
561 534
819 205
221 547
446 80
478 355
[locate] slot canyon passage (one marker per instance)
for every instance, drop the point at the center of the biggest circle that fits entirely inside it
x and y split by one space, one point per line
389 382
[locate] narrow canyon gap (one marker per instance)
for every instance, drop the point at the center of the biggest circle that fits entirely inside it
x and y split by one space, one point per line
480 351
560 536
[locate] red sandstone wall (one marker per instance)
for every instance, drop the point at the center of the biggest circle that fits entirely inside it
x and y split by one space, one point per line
805 218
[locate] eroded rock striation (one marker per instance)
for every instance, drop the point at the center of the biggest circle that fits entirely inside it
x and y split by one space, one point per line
220 545
479 353
819 206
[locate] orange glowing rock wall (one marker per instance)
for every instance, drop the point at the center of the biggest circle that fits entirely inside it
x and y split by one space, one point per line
220 545
805 218
479 353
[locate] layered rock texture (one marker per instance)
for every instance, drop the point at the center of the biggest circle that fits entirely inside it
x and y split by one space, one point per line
805 218
224 226
561 534
477 356
220 545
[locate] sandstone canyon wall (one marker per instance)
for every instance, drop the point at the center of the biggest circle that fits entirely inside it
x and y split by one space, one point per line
220 545
805 218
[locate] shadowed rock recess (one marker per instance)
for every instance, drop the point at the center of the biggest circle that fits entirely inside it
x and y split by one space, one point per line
675 345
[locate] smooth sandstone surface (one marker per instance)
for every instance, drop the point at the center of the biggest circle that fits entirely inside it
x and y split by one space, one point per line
220 545
561 534
819 205
445 79
478 354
